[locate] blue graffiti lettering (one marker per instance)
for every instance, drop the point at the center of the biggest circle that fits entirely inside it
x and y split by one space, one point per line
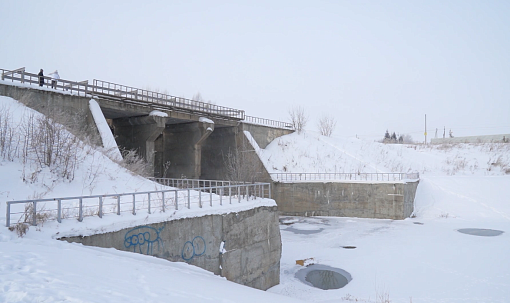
194 248
142 239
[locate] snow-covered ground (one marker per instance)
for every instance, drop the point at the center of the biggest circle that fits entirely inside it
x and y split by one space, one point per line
421 259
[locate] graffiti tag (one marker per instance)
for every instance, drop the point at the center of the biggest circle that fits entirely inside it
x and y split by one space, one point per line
142 239
193 248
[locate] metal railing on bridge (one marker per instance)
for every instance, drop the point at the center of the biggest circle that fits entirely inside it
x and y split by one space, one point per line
378 177
268 122
189 194
122 93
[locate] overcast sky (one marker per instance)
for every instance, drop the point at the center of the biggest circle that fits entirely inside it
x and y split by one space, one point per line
373 65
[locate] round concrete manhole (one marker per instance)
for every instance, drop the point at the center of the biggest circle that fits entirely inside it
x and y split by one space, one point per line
480 232
324 277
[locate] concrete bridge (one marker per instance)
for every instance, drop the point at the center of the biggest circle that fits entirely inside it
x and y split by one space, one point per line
183 138
177 136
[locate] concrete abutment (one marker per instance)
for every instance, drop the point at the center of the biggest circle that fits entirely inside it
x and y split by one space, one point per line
251 239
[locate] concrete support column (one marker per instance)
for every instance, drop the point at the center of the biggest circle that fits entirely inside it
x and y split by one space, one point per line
139 133
206 129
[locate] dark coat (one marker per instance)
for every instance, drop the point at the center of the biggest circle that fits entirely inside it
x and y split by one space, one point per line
41 78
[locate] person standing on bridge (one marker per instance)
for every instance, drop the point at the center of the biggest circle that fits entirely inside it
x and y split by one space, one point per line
54 78
41 78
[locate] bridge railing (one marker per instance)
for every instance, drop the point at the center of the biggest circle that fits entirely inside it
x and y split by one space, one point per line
380 177
34 211
127 92
21 76
123 93
268 122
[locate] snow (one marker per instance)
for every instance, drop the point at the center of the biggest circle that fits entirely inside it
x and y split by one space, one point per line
205 120
104 131
158 113
420 259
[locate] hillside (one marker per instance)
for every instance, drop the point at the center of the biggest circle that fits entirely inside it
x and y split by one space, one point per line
423 258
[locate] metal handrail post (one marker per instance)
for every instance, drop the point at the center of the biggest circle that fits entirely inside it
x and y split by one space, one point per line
80 215
59 211
34 214
100 207
230 194
134 205
118 205
199 198
7 210
163 201
176 201
189 199
149 205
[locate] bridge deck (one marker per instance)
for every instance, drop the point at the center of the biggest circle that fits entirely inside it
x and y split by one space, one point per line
181 108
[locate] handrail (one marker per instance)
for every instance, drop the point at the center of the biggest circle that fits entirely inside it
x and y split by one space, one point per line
122 93
382 177
80 207
127 92
268 122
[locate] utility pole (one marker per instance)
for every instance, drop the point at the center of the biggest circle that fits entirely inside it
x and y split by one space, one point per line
425 129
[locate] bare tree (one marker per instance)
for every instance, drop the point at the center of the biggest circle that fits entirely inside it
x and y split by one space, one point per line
298 118
326 125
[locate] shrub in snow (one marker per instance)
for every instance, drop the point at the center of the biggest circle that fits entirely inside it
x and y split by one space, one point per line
298 118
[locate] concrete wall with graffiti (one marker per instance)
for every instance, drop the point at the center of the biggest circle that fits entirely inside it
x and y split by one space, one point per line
244 247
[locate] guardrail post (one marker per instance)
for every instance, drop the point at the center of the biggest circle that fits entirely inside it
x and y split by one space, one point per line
163 201
199 198
100 207
59 211
230 194
189 199
176 201
134 205
238 193
8 209
221 196
118 205
149 206
80 215
210 194
34 214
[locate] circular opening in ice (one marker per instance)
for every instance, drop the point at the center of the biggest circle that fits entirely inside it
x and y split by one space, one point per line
481 232
324 277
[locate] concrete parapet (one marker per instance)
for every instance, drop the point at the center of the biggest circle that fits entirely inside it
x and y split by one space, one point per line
252 244
342 199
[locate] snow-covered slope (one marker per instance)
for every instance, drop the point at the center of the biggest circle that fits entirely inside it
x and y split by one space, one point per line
461 186
311 152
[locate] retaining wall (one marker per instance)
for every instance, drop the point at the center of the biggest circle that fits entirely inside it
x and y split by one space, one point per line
252 243
362 200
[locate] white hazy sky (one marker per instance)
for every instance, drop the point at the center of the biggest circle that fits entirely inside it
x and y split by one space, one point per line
373 65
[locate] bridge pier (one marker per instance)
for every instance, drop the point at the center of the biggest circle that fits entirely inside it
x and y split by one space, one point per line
179 149
140 133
